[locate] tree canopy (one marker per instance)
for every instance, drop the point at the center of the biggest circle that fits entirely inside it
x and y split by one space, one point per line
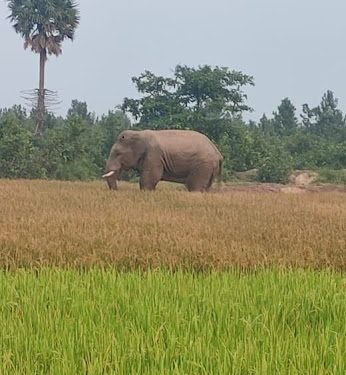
44 25
197 98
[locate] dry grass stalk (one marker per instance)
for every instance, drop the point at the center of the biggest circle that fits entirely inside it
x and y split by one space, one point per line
84 224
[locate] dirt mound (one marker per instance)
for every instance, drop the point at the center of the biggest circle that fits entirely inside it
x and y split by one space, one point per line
303 178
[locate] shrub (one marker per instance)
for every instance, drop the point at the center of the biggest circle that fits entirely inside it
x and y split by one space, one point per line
276 166
332 176
19 156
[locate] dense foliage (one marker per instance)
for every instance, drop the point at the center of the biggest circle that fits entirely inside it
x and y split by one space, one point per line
75 147
206 99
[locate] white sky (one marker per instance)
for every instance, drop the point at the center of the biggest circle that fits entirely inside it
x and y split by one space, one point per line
293 48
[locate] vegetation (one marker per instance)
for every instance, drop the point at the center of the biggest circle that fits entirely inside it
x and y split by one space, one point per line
72 148
104 322
251 302
199 99
332 176
82 224
44 25
209 100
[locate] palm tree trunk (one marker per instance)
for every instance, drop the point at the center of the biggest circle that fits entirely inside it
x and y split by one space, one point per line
41 94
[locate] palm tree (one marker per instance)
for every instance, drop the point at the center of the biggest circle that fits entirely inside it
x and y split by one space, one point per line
44 24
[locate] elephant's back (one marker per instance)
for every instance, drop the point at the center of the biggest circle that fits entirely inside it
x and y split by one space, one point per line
186 147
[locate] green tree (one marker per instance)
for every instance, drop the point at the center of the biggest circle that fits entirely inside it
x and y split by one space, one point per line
110 126
325 120
276 165
44 24
80 109
159 107
72 150
216 90
196 98
285 121
238 154
266 125
19 156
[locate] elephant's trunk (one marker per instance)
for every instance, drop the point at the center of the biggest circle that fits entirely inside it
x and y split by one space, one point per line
113 168
111 179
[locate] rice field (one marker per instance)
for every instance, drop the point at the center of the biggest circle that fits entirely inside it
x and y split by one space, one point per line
239 282
84 225
157 322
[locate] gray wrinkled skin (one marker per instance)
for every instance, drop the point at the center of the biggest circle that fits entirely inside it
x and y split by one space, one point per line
182 156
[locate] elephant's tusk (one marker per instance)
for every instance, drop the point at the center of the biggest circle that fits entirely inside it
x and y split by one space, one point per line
109 174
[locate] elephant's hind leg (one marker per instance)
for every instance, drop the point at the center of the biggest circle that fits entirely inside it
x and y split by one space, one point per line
200 179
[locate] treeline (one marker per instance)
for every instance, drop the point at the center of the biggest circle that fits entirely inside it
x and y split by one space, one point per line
206 99
72 148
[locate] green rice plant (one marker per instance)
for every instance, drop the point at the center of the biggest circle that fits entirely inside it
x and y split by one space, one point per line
69 322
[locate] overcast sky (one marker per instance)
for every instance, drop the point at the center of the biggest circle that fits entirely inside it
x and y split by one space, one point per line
293 48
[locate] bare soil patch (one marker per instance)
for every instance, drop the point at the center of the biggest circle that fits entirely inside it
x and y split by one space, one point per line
277 188
300 181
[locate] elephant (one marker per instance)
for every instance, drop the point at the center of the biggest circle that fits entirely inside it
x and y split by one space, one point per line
182 156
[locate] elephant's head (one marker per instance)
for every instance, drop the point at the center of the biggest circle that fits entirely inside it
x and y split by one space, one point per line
125 154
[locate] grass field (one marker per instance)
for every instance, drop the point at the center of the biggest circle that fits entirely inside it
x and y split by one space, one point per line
239 282
84 224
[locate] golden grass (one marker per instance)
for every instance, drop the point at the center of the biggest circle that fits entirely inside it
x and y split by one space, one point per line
84 224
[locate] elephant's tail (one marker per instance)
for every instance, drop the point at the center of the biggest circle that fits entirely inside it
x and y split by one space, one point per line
221 170
219 174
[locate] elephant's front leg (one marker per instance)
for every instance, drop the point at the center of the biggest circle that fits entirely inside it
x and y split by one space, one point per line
149 178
